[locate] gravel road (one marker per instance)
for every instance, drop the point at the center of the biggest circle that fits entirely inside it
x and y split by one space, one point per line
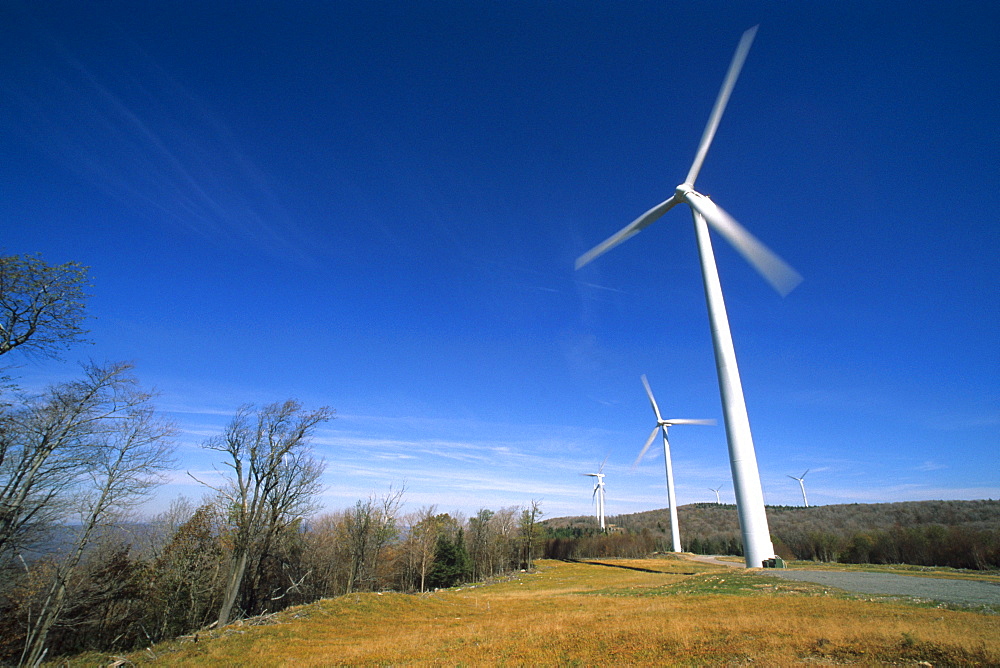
965 592
935 589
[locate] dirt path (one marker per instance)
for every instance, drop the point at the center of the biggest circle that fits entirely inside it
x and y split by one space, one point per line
715 560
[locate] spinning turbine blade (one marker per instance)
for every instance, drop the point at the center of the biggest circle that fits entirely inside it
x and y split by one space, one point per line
629 230
649 393
720 103
687 421
775 271
649 442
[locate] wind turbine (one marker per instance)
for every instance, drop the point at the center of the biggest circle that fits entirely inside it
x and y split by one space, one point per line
802 484
663 425
718 501
742 458
599 491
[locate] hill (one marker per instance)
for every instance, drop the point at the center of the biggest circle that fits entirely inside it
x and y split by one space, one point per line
962 534
651 612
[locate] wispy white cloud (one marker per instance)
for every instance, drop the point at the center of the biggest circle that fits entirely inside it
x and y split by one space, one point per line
146 140
463 464
604 288
952 423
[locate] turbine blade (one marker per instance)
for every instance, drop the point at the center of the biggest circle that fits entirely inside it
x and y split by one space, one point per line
807 471
629 230
649 393
687 421
720 102
775 271
793 477
649 442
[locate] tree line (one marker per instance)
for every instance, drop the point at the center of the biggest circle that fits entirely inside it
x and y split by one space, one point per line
957 534
80 571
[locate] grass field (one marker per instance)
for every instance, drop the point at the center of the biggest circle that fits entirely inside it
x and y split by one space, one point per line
600 612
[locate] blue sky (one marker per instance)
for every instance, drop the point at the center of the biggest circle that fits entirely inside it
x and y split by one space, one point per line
376 207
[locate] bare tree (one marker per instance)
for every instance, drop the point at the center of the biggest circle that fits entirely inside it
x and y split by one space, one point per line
370 525
41 305
326 555
426 535
156 534
421 540
127 447
273 482
503 547
529 530
51 441
186 592
479 537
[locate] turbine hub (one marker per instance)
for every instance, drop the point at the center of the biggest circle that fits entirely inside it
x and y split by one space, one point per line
683 190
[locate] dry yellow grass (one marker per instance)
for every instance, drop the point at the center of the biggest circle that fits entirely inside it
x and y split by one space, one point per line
615 612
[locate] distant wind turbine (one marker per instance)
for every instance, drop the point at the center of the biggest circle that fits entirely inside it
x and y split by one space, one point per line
663 425
599 492
742 458
717 499
802 484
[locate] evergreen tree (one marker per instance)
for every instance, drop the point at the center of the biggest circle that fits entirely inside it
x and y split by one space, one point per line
452 564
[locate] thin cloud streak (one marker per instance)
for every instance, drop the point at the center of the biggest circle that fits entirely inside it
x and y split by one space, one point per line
201 181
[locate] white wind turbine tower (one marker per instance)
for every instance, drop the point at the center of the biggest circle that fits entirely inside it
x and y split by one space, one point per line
599 492
663 425
742 458
718 500
802 484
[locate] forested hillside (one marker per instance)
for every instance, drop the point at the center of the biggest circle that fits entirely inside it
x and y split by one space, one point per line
136 584
962 534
